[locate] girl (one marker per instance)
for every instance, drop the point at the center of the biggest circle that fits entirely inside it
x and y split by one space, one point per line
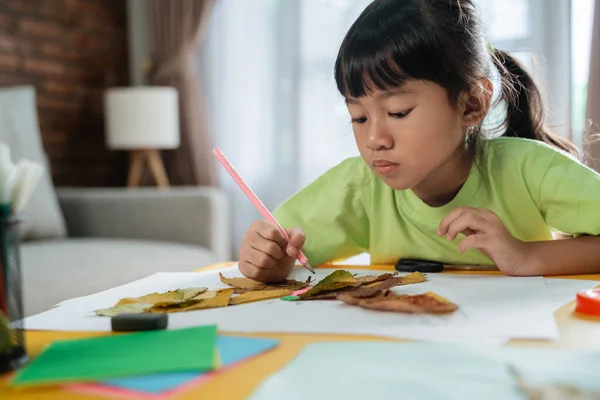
430 182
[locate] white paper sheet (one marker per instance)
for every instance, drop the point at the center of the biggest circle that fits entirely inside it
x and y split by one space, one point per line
492 309
386 370
563 291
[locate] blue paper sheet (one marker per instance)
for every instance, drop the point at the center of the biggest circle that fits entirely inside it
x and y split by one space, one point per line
231 348
380 370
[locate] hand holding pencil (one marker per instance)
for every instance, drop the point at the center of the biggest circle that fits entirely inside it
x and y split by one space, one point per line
268 251
266 255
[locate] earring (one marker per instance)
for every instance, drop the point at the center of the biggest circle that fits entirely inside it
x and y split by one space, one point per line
469 134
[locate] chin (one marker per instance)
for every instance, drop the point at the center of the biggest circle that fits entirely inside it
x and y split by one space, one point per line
397 183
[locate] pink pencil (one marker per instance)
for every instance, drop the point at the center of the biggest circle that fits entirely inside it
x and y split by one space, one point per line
257 203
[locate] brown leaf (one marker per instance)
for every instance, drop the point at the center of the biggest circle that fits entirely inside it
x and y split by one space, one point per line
365 280
259 295
420 303
243 285
371 288
211 299
348 299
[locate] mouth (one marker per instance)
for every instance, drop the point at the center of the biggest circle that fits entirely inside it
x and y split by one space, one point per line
385 167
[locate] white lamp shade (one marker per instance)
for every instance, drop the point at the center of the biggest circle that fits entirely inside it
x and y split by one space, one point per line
140 117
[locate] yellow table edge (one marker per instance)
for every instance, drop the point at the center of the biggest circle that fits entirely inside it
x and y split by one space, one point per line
239 382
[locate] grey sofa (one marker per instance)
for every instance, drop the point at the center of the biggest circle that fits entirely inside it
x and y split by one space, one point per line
116 236
77 241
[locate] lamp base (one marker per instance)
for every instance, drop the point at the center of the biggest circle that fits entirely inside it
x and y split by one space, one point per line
138 161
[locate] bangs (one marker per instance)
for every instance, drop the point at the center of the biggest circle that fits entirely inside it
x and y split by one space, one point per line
383 53
362 73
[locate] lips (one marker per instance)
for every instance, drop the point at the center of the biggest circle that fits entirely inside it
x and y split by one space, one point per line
383 163
385 167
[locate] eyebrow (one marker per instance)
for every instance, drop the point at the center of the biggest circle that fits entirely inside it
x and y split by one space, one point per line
384 95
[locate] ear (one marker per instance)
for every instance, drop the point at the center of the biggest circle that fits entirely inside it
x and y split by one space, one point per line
476 102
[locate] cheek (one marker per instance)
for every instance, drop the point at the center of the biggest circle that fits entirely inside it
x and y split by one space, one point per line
427 138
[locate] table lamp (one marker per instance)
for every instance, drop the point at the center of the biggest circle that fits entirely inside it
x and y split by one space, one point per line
143 120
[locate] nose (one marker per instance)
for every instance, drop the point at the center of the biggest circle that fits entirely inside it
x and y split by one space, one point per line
379 138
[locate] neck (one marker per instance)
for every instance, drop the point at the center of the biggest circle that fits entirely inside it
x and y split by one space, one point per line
444 183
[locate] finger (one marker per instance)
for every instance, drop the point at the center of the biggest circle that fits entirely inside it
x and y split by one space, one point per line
297 240
468 224
267 246
259 259
256 273
270 232
451 217
477 241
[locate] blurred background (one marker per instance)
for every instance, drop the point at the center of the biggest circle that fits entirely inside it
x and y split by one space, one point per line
253 77
267 66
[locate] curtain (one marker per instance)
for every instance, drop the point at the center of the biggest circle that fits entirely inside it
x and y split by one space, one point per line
275 110
176 29
592 143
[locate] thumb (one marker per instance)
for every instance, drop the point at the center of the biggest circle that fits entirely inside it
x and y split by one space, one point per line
297 239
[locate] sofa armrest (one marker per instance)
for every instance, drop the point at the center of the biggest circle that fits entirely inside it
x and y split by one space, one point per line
194 215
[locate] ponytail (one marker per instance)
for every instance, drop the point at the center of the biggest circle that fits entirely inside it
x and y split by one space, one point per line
525 109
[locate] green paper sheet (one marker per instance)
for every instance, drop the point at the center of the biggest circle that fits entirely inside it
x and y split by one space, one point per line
190 349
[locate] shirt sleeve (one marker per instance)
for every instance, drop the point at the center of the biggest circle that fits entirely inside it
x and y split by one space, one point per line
331 211
569 196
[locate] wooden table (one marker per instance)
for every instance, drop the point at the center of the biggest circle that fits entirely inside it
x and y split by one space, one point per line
575 331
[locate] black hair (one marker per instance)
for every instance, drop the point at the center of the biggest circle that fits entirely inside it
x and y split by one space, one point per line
442 41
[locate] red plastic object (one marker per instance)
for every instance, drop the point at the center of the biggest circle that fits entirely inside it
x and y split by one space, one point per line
588 302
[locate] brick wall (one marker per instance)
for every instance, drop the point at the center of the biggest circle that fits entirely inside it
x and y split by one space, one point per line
71 50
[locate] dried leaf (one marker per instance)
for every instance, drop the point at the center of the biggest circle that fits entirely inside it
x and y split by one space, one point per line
365 280
372 287
170 297
336 280
372 290
219 298
420 303
209 294
414 277
259 295
132 308
348 299
243 285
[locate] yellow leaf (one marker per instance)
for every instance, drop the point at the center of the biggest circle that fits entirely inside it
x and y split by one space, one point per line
414 277
259 295
219 298
336 280
132 308
170 297
209 294
437 297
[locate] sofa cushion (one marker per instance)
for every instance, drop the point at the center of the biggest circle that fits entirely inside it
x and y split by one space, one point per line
19 130
58 270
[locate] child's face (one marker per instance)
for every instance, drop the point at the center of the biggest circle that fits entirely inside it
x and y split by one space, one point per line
408 135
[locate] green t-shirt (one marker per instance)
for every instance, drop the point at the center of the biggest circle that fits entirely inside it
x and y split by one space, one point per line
533 188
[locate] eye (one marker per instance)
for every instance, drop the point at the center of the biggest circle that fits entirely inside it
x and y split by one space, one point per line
400 115
360 120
